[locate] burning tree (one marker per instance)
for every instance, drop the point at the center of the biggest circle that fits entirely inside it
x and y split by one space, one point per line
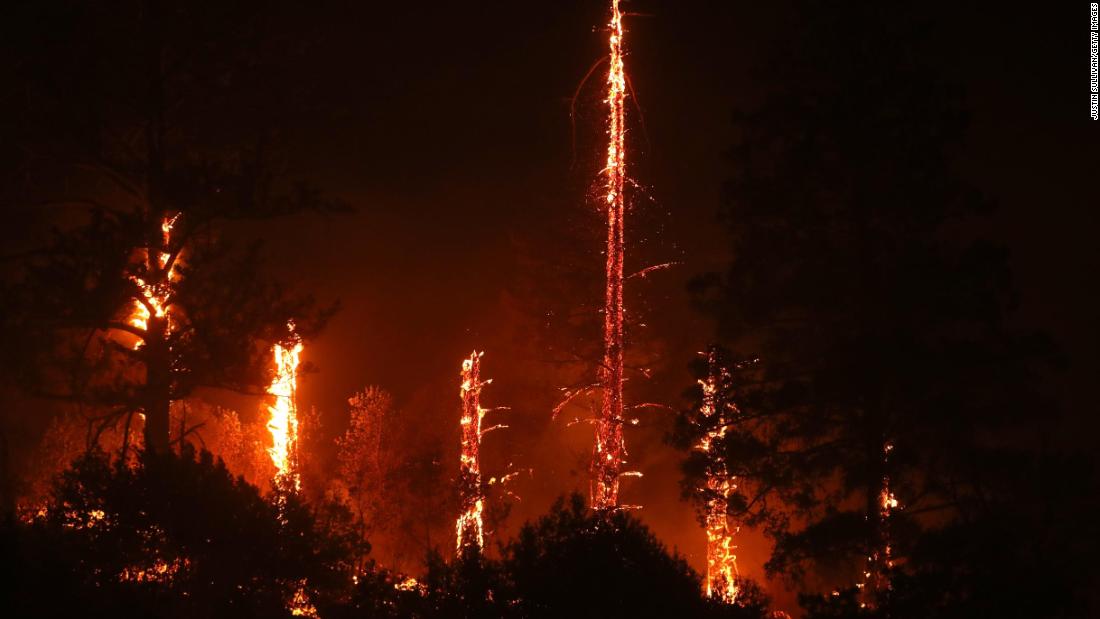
713 468
609 452
136 300
714 416
470 527
283 423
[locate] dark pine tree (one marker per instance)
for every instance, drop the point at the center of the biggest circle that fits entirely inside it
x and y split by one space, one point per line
173 536
120 120
880 318
576 563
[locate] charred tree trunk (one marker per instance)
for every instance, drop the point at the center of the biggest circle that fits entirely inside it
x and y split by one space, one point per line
158 364
158 382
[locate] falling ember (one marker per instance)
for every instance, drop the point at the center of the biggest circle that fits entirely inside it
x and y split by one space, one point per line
610 449
721 580
283 423
469 527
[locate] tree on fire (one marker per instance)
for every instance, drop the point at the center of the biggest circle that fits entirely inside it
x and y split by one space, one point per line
134 149
879 321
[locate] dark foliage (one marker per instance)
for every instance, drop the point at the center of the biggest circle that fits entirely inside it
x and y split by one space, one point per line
880 319
178 536
175 536
577 563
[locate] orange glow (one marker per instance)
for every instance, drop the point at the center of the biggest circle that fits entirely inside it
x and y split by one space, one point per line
721 582
283 423
469 527
610 449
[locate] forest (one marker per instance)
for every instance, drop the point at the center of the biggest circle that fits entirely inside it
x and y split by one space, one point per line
609 308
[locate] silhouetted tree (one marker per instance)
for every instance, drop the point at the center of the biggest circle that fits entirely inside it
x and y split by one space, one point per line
576 563
121 122
174 536
383 594
469 585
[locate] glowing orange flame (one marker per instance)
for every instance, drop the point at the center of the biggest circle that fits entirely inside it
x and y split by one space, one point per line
300 604
876 575
469 528
283 423
156 294
610 449
722 572
410 584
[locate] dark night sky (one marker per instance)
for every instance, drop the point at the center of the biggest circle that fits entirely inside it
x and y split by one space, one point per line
446 125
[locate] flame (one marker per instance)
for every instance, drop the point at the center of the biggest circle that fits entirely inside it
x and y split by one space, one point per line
721 582
300 605
155 295
283 423
610 448
410 584
160 571
876 574
469 529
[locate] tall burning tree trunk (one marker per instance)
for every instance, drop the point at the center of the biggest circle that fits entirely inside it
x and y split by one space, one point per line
721 580
610 449
283 422
469 527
